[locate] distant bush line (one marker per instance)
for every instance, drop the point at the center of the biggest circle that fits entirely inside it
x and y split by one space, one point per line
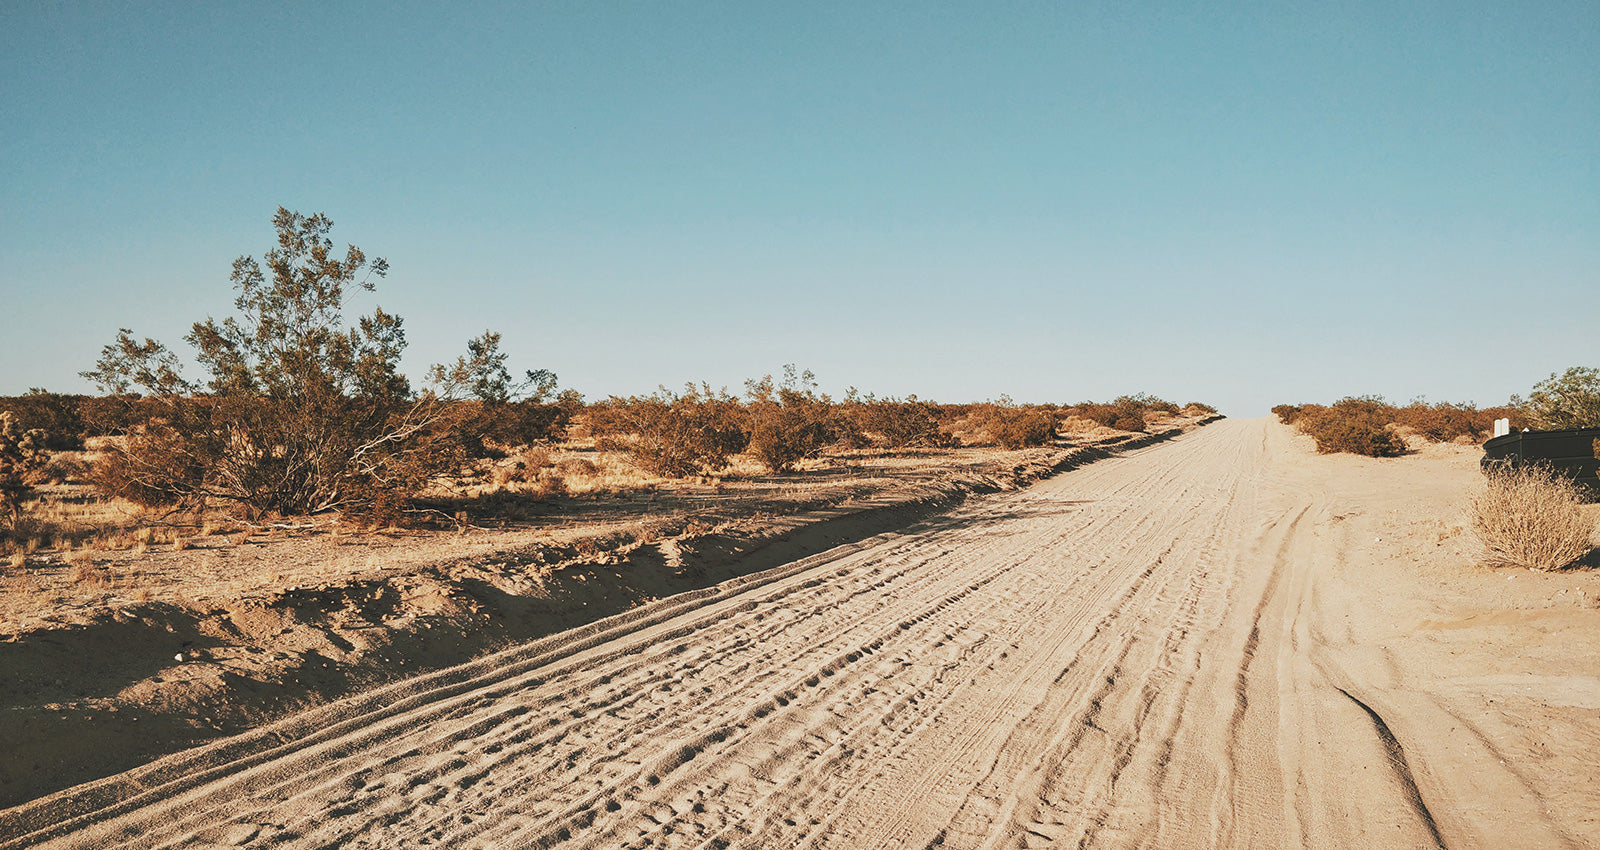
778 422
300 412
1370 426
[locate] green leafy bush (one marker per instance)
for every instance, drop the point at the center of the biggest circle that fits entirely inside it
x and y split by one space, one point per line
1568 400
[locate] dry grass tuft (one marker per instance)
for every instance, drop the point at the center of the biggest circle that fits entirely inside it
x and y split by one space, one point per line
90 575
19 559
79 558
1531 517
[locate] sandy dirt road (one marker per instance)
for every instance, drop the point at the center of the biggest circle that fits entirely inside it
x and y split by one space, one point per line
1201 644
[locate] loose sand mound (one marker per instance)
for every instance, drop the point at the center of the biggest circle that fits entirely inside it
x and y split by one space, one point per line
1225 640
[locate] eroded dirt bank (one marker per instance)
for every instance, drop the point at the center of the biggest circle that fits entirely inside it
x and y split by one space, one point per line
111 684
1222 641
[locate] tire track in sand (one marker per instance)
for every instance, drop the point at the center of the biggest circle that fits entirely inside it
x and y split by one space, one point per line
1087 662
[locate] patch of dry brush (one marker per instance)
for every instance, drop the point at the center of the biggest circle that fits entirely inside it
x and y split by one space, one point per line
1531 517
1370 426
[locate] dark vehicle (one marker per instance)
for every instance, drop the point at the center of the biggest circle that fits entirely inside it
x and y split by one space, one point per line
1570 452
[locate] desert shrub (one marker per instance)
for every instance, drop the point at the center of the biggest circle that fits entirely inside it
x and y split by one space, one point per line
578 467
1152 404
1288 414
1531 517
1356 421
1198 408
1568 400
59 416
1019 427
1125 413
673 434
501 412
63 468
891 423
22 455
1444 421
1129 423
1356 436
1357 425
300 414
788 421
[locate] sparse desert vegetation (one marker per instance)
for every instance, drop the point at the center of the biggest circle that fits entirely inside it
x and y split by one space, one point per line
305 523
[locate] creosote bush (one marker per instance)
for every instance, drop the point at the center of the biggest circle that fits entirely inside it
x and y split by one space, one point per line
1021 427
1568 400
788 421
1130 412
1362 424
1531 517
673 434
300 414
889 423
1356 425
22 456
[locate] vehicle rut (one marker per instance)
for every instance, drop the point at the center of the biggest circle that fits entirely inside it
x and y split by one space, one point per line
1104 659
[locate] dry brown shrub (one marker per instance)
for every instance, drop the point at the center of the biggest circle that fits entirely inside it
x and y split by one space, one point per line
1020 427
64 468
1288 414
89 575
1357 425
551 484
1444 421
1129 423
535 457
1531 517
578 467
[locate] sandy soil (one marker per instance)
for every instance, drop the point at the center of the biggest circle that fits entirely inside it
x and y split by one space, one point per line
109 664
1222 640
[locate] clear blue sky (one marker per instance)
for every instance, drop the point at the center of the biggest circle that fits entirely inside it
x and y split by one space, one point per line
1239 203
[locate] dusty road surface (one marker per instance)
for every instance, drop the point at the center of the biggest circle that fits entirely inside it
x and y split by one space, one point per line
1222 641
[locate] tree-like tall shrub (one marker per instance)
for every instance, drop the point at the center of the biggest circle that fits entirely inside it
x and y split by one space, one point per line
1568 400
299 413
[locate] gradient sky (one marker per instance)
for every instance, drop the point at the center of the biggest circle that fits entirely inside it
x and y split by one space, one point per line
1057 201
